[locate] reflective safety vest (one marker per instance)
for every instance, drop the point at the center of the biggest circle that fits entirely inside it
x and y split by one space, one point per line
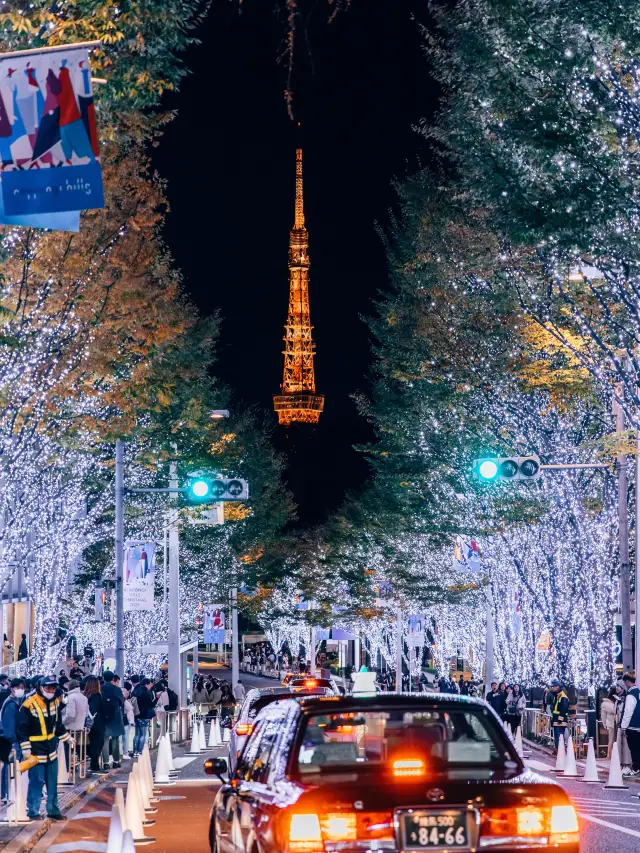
40 727
560 712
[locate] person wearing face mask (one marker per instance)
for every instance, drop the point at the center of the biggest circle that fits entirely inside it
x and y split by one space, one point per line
39 730
9 718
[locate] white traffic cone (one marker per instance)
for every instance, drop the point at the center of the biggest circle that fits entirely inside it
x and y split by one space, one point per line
128 845
570 768
162 766
226 735
147 772
615 779
591 770
560 760
519 746
195 741
167 749
114 839
63 773
143 797
212 735
119 803
132 810
202 737
17 811
218 732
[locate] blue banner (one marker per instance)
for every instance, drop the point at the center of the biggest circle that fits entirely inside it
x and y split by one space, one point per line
52 190
48 135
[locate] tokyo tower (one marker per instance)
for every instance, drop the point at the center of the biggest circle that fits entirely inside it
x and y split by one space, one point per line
298 402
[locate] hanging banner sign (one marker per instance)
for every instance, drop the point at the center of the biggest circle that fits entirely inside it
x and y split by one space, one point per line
48 136
139 575
214 625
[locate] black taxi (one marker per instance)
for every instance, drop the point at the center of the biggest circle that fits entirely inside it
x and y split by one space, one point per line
385 773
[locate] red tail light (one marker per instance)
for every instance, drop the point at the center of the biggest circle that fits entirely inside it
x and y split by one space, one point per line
555 824
244 729
308 832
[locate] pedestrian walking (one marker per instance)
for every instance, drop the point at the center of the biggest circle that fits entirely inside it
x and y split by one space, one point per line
113 713
129 719
96 732
39 730
9 726
630 723
142 701
515 707
608 718
23 649
559 713
74 714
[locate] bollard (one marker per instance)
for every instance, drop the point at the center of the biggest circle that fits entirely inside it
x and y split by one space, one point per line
167 749
119 803
195 741
17 809
570 768
560 760
615 779
114 839
519 746
132 811
128 845
162 766
63 773
591 770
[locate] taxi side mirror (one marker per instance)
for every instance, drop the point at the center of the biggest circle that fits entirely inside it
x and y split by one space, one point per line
216 767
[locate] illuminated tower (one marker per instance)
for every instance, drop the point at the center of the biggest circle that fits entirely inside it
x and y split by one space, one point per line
298 402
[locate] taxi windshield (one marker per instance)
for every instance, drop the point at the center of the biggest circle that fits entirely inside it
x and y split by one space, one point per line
409 743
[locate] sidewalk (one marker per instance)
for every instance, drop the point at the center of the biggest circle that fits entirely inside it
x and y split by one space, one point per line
601 763
22 837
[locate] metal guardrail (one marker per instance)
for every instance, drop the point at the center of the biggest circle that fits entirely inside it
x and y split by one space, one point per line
536 725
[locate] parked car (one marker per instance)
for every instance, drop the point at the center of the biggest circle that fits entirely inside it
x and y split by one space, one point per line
387 772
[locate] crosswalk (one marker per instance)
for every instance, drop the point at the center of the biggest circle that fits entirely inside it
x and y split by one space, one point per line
597 807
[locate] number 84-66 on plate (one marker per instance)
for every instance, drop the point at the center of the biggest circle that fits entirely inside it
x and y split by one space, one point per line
434 830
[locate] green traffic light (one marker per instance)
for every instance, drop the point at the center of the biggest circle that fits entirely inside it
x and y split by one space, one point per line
200 488
488 469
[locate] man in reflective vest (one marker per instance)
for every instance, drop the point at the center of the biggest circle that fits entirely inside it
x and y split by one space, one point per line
559 713
39 731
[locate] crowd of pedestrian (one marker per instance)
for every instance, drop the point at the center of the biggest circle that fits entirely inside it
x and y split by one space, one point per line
216 697
39 713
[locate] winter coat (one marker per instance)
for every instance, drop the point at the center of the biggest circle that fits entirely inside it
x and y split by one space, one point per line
498 702
95 709
74 713
201 696
516 704
9 716
40 727
128 712
239 692
215 696
560 709
608 713
631 715
113 699
145 699
23 651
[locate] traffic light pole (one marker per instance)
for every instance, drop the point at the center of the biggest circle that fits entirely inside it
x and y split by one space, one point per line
119 546
175 681
235 663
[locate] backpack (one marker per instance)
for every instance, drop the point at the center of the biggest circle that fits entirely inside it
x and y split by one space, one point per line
173 699
109 708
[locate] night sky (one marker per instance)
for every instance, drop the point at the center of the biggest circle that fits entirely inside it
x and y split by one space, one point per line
360 84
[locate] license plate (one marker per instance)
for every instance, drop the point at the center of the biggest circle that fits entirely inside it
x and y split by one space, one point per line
434 830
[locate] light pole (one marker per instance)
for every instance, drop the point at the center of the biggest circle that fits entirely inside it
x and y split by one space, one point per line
175 680
119 545
399 650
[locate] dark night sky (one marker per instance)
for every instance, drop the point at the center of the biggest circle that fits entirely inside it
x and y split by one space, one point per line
360 83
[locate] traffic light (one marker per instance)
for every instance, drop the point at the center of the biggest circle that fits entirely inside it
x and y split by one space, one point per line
205 489
507 468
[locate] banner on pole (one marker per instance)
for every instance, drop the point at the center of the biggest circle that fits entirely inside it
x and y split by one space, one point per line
214 624
48 137
139 575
